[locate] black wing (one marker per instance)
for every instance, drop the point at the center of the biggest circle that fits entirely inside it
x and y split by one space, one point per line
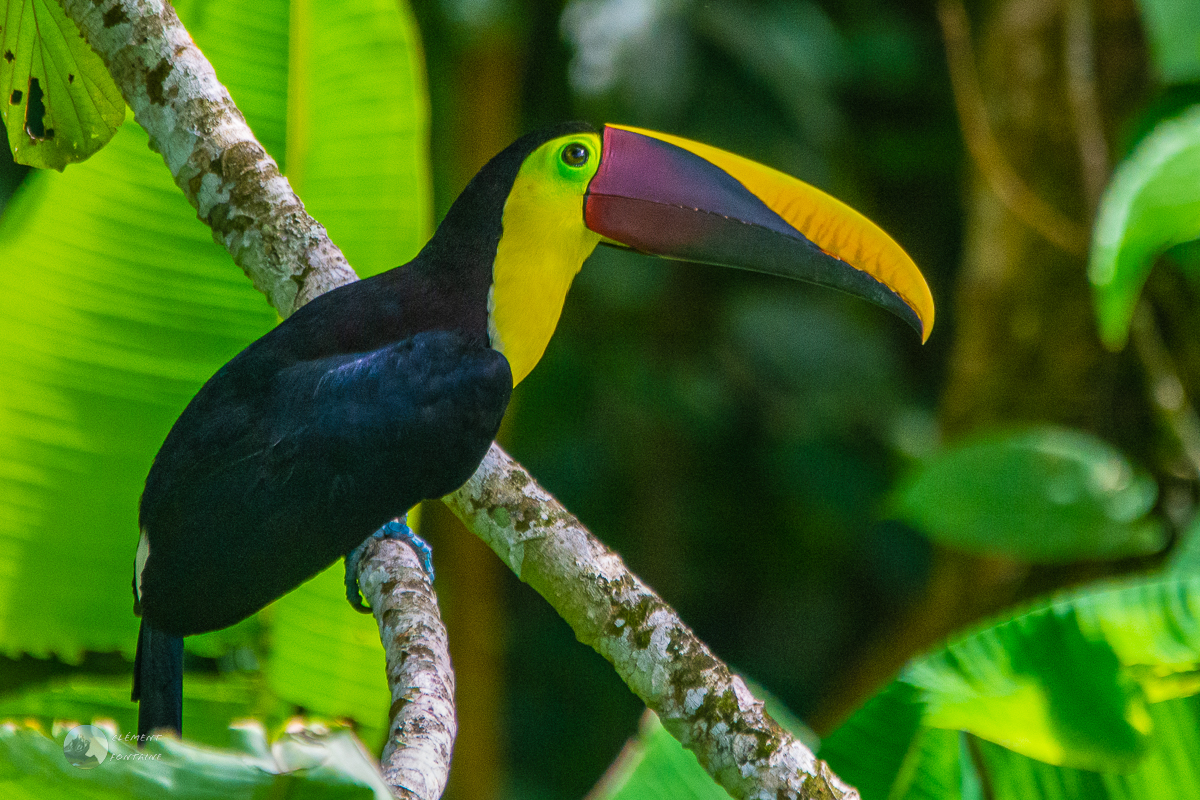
268 479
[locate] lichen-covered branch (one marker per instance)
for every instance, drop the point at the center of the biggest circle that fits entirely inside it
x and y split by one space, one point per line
237 190
212 154
416 758
708 708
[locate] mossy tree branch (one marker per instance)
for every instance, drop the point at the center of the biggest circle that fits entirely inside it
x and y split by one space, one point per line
238 191
699 700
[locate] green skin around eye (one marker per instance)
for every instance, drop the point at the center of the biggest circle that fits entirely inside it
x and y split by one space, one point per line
574 157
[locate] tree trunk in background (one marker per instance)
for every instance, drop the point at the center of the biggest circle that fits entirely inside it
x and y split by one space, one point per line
1053 81
1026 347
475 78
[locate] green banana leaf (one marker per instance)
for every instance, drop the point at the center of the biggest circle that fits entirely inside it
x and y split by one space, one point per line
115 305
1091 694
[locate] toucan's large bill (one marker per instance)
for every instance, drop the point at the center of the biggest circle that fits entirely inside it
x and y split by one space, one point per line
672 197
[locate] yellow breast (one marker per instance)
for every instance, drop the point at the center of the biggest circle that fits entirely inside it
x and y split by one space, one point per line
543 246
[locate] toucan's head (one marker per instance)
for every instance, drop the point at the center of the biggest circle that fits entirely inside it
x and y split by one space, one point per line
666 196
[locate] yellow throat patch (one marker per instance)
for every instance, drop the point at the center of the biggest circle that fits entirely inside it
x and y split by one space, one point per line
543 245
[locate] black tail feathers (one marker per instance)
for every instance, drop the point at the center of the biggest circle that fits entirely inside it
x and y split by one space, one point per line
158 681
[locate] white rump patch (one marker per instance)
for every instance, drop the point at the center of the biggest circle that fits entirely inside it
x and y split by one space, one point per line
139 562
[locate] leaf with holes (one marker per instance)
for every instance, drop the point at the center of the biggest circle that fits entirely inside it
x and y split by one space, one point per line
59 103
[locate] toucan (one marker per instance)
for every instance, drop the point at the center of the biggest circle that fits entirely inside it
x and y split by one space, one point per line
389 390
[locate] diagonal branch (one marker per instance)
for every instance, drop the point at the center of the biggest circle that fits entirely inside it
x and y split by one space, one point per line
237 190
227 176
700 701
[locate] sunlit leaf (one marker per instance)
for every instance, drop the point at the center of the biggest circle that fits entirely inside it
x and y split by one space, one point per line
654 765
60 105
1152 203
114 306
940 764
1041 495
1153 626
358 127
1068 681
1170 769
1037 685
310 763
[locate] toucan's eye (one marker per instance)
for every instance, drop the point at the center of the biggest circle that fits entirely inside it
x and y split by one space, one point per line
575 155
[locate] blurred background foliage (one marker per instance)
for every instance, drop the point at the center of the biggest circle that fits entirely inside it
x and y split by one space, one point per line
820 497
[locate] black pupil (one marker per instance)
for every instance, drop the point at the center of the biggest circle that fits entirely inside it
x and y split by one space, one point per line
575 154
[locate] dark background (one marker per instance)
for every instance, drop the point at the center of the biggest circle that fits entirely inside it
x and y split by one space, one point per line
734 437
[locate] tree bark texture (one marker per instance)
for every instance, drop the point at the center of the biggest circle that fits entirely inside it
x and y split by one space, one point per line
422 724
704 705
237 190
227 176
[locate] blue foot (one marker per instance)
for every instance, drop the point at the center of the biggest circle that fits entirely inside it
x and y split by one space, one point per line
396 529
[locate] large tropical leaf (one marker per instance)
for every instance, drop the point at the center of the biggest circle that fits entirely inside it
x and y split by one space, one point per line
1170 769
1068 682
1039 495
1037 685
115 305
1093 693
947 765
59 103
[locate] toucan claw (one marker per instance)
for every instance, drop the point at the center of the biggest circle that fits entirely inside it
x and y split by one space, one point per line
396 529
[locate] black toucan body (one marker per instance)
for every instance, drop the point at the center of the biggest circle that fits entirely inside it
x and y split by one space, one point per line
388 391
